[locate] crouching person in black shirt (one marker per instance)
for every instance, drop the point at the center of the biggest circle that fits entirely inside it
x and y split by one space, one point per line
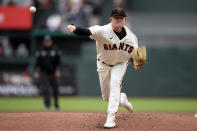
47 69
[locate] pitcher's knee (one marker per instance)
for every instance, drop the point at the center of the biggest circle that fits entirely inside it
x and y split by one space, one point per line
105 98
116 82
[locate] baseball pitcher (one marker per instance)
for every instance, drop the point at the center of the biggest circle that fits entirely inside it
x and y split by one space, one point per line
115 45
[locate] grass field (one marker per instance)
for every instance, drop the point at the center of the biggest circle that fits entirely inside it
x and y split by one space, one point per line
91 104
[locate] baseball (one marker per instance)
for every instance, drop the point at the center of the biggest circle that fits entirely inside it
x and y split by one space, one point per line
32 9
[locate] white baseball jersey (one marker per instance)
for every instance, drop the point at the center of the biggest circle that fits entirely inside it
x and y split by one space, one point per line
110 49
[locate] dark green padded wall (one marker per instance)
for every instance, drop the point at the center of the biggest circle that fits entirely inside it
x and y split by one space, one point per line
169 72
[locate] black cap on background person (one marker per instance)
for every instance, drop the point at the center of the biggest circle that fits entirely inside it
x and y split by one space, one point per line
47 37
118 12
47 41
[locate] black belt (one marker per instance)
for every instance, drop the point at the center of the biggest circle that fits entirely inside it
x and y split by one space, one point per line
104 62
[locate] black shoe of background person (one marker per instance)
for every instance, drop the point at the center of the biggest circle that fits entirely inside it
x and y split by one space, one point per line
47 108
57 108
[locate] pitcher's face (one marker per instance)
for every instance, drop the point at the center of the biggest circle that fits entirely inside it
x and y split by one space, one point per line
118 21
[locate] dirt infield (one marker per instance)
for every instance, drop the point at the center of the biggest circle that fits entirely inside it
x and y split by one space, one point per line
64 121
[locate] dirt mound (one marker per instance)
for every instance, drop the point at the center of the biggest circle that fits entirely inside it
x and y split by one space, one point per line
64 121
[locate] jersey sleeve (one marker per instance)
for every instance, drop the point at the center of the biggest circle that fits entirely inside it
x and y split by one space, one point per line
95 31
135 41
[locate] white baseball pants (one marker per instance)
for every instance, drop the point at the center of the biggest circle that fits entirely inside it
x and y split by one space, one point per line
111 83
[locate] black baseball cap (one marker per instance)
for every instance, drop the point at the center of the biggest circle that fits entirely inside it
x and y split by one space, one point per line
118 12
47 37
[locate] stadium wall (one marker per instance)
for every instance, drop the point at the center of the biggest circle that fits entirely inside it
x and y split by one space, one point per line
169 72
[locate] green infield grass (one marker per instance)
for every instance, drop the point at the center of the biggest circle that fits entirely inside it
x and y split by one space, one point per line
91 104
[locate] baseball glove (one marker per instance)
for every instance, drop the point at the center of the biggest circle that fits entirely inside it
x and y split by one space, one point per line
139 57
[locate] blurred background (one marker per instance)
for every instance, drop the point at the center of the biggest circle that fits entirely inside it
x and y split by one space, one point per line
167 27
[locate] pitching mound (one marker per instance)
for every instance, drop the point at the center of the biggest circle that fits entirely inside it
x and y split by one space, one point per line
64 121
